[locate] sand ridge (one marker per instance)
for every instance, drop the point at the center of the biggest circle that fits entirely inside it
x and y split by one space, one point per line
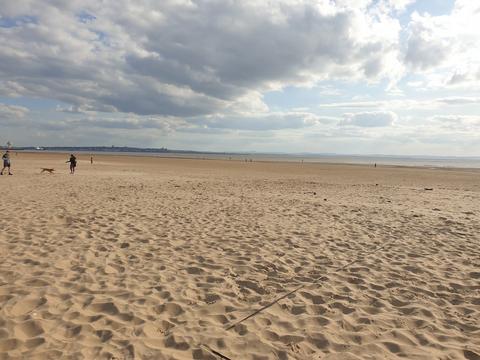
157 258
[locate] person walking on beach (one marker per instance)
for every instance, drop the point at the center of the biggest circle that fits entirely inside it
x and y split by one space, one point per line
6 162
73 163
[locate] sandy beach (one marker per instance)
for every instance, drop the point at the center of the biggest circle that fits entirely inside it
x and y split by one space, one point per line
152 258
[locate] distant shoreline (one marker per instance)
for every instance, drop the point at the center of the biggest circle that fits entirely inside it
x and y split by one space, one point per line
381 160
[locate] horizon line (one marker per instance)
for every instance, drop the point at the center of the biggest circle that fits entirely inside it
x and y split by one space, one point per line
234 152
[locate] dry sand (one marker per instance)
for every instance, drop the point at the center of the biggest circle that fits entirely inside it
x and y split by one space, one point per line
150 258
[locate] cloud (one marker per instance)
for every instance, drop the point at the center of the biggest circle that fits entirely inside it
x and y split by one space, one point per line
465 77
467 123
428 45
268 121
262 122
12 115
403 104
187 59
369 119
459 100
400 5
354 104
446 48
128 123
72 109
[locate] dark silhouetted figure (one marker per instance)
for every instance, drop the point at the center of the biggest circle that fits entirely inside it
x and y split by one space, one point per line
6 162
73 163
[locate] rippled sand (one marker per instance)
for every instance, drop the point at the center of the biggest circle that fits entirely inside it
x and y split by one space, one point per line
149 258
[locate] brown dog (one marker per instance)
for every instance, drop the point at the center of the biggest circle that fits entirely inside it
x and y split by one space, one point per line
47 170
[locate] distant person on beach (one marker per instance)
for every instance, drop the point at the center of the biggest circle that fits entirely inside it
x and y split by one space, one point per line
73 163
91 160
6 162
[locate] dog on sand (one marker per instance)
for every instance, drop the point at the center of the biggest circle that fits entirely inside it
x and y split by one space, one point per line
51 171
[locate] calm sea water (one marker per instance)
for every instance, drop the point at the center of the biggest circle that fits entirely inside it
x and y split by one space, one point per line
421 161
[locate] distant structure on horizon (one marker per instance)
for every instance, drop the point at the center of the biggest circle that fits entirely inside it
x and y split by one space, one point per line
94 149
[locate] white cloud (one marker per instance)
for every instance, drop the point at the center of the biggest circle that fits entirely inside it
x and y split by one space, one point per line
446 49
369 119
456 122
459 100
404 104
400 5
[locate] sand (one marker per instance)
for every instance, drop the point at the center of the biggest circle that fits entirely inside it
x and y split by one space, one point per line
150 258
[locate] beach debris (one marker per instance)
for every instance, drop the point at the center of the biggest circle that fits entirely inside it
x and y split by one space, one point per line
428 189
324 199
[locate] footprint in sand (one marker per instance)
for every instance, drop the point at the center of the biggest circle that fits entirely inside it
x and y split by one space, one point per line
112 269
172 309
28 329
474 275
33 343
104 308
104 335
8 345
26 305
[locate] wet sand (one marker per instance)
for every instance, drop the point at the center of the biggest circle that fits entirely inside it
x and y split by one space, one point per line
153 258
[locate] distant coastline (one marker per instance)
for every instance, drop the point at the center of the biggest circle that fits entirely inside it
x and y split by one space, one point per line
392 160
114 149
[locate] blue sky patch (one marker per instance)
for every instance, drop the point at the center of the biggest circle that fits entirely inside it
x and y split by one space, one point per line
10 22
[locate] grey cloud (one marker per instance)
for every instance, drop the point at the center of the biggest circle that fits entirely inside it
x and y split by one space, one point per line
178 59
12 111
369 119
127 123
464 78
12 115
424 53
208 124
424 49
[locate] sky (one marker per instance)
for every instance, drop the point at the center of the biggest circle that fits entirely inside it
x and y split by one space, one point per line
398 77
